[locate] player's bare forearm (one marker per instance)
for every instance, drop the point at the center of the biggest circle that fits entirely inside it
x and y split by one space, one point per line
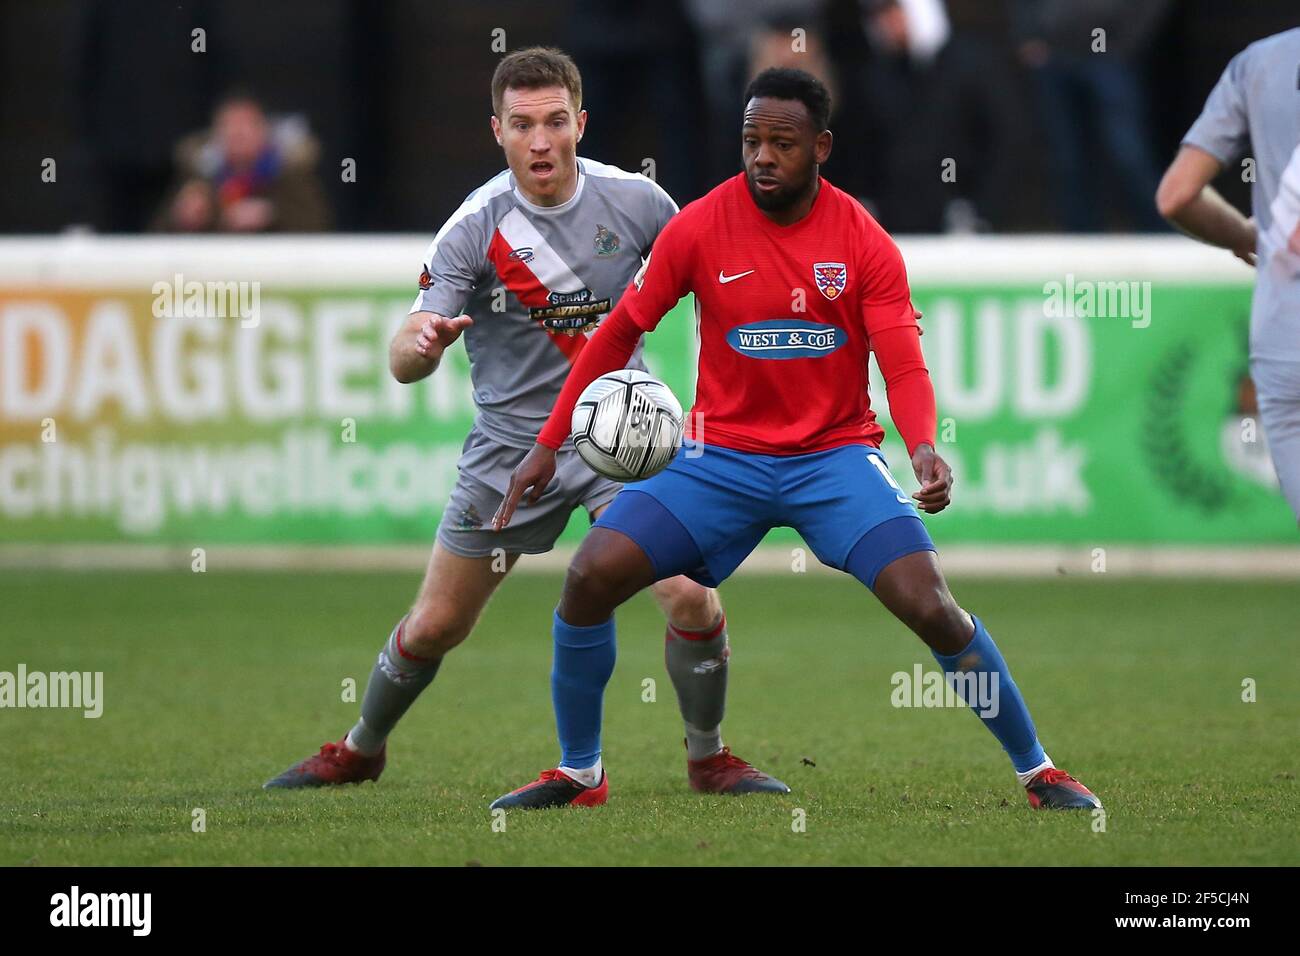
1210 218
416 349
1189 203
406 364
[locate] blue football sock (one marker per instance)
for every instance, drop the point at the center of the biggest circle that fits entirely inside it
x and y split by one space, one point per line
583 663
1008 717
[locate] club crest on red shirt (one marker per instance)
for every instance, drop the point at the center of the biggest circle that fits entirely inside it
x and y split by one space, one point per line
830 278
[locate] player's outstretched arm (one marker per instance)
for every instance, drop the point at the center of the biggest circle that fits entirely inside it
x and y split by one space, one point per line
653 291
911 405
606 351
417 347
1188 201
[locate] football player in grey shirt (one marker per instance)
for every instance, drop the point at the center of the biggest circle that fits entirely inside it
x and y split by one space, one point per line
1257 103
523 271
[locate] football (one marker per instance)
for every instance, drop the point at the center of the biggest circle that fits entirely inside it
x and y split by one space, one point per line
627 425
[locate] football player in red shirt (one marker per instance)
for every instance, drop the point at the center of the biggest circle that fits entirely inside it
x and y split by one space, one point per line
794 284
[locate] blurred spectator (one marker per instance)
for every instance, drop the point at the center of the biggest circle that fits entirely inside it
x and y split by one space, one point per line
1090 99
638 64
247 174
775 44
939 111
138 87
724 30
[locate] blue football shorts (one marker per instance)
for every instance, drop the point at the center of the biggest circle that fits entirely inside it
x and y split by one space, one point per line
703 514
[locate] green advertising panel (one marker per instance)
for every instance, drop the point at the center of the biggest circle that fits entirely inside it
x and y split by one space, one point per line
1070 415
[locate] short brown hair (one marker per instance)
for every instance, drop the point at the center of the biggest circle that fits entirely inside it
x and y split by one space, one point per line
533 68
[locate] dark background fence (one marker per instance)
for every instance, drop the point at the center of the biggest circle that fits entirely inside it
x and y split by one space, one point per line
107 87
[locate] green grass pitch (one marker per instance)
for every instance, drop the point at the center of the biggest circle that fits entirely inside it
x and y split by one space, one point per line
214 682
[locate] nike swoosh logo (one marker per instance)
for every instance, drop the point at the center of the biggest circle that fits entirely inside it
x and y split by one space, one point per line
724 279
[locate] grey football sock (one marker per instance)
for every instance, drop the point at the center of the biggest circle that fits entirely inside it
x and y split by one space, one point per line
397 679
697 665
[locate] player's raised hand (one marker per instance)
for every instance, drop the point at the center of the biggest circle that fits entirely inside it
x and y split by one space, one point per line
935 477
532 476
438 332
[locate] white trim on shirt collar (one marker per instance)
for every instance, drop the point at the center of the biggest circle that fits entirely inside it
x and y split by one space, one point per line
552 210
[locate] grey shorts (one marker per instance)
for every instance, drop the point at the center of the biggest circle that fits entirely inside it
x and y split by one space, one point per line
1277 389
484 473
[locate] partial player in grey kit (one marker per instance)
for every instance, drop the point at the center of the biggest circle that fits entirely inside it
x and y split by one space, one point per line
535 257
514 266
1255 104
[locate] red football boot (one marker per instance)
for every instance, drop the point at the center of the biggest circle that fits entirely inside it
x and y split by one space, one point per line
1054 789
334 764
724 772
555 789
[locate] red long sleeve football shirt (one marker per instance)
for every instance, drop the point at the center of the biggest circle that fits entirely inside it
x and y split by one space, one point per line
787 316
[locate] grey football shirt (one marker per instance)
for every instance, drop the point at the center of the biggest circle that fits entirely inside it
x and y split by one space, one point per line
1256 103
510 264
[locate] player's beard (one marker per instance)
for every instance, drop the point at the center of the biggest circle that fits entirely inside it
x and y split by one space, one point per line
785 197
